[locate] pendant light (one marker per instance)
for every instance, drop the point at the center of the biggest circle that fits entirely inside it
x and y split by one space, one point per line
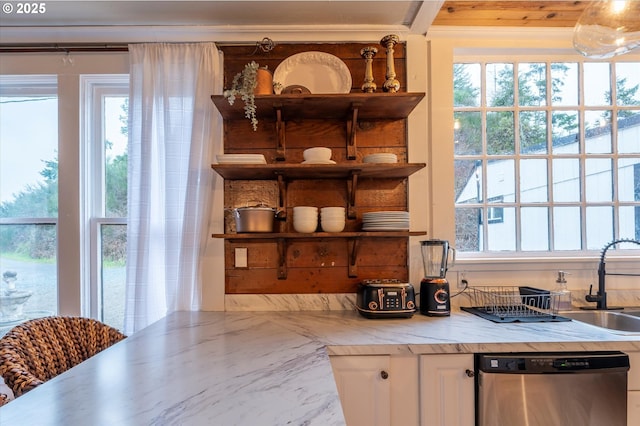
608 28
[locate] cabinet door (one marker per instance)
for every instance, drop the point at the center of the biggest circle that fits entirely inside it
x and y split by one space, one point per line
633 389
447 390
364 387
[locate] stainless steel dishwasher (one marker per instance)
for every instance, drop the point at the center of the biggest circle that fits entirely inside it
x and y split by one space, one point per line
552 389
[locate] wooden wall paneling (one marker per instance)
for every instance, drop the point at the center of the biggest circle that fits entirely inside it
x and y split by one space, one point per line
316 265
320 267
236 57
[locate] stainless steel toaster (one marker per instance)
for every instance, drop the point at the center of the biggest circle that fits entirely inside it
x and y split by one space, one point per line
388 298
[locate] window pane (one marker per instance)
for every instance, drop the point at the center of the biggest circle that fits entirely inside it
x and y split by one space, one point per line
499 78
628 133
468 133
533 181
564 84
629 179
500 133
630 222
29 252
597 132
597 77
468 185
501 181
599 180
532 82
533 220
466 85
468 236
566 228
627 83
502 236
599 226
566 180
115 125
114 244
564 132
29 183
533 132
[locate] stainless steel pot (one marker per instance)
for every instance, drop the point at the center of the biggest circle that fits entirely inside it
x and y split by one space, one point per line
254 219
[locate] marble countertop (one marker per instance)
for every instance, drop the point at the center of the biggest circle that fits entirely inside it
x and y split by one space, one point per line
264 368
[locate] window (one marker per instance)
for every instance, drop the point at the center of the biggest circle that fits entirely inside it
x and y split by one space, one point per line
548 150
63 168
28 196
105 133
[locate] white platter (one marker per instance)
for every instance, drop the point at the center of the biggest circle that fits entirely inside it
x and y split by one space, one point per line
319 72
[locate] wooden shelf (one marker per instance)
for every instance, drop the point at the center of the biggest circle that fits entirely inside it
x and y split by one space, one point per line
326 106
299 235
316 171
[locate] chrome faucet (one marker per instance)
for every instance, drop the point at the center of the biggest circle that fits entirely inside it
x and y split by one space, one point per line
601 297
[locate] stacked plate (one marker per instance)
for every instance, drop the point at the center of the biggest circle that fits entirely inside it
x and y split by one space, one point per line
380 158
241 159
385 221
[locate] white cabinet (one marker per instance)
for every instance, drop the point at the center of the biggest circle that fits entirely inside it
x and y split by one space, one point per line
633 390
447 389
377 390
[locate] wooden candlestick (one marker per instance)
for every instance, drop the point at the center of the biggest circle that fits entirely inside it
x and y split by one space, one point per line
368 53
391 84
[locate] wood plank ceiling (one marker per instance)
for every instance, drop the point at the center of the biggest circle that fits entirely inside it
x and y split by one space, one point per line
510 13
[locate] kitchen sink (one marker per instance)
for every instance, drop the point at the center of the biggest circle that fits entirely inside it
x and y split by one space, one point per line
613 320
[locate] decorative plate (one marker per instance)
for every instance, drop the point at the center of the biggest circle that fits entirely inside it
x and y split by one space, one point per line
319 72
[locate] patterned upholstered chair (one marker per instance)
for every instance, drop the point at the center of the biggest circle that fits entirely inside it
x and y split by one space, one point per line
37 350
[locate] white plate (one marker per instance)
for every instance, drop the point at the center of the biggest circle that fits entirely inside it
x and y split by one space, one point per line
319 72
318 162
241 159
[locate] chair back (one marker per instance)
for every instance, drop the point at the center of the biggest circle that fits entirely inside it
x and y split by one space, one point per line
37 350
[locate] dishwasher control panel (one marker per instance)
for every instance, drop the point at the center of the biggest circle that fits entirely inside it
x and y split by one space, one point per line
559 362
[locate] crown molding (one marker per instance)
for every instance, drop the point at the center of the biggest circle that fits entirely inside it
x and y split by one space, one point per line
140 34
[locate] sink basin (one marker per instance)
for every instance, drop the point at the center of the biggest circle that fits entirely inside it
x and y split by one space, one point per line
613 320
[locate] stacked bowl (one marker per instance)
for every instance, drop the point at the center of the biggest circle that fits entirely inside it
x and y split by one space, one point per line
305 219
332 219
317 155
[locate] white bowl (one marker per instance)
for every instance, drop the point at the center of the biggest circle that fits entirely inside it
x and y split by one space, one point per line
332 210
307 209
333 225
305 227
317 154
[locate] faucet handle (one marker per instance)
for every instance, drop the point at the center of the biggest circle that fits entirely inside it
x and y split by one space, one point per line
590 297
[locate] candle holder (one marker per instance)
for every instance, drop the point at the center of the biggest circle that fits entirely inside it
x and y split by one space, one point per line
368 53
391 85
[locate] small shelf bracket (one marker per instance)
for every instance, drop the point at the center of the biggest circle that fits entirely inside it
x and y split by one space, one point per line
352 125
280 134
281 214
282 258
354 246
352 189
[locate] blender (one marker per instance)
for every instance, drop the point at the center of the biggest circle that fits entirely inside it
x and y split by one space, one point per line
434 287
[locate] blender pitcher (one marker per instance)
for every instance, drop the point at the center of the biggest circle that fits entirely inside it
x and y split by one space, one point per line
435 256
434 288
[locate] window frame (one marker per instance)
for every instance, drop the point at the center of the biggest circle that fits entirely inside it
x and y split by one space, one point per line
73 240
94 89
444 45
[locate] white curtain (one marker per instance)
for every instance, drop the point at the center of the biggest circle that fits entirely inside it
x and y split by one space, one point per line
172 136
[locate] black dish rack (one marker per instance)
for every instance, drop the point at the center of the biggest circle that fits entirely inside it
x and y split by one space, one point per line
514 304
